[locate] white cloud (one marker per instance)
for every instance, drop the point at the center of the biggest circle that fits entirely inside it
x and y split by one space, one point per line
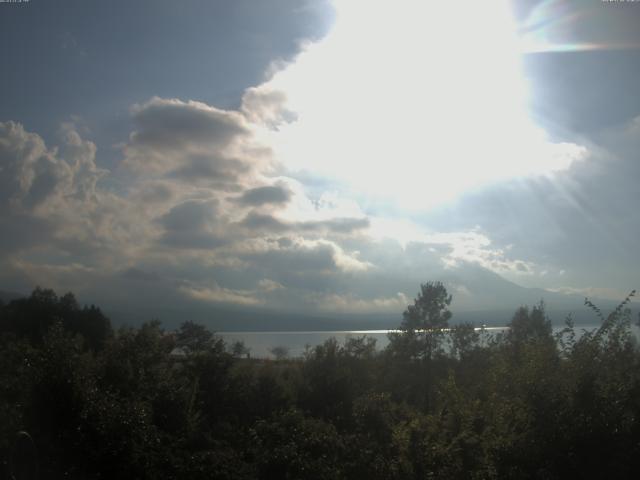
34 178
475 247
209 202
593 292
216 294
454 248
351 303
194 142
349 262
262 105
268 285
66 276
411 116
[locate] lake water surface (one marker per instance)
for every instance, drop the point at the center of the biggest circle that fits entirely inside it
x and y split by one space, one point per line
261 343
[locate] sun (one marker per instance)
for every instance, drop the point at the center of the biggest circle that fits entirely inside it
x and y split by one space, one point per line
414 102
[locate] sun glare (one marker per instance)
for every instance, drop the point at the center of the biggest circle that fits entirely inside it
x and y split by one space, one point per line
415 102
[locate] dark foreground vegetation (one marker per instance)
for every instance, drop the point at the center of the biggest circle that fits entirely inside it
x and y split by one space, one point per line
436 403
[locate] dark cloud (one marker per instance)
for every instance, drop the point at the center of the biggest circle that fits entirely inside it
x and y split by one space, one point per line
265 223
191 215
284 242
214 170
154 193
45 194
192 224
172 124
137 274
192 142
195 240
299 266
269 223
21 232
272 194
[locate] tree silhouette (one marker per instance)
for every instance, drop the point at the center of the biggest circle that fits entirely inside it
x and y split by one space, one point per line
425 322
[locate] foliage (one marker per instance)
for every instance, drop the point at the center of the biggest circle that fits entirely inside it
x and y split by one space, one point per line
31 318
424 323
279 352
441 402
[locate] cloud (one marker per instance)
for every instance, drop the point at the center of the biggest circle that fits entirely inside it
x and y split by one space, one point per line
271 224
138 274
266 106
193 142
190 216
273 245
593 292
583 221
192 224
42 189
174 124
32 176
72 275
409 128
68 231
271 194
269 285
297 261
474 247
338 225
238 206
153 193
23 231
264 222
216 294
353 304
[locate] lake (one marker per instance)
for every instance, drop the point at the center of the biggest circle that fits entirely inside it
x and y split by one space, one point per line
260 343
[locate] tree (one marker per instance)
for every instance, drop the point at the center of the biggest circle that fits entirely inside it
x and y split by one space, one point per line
528 326
420 341
238 349
425 322
464 339
195 337
31 318
279 352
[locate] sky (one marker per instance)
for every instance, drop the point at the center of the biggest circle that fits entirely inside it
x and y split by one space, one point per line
320 157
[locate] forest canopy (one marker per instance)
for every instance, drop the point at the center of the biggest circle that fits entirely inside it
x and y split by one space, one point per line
82 399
